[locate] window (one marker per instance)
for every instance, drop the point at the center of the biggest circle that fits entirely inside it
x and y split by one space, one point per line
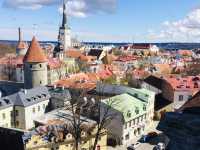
180 98
17 123
138 120
44 106
4 116
133 122
16 113
130 124
40 65
33 109
129 114
40 82
38 108
31 66
137 110
127 137
125 126
144 107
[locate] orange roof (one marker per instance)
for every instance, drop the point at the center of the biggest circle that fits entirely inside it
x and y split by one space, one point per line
79 81
189 83
76 54
35 53
22 45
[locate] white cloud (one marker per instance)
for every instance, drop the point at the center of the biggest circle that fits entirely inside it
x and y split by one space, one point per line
77 8
183 30
28 4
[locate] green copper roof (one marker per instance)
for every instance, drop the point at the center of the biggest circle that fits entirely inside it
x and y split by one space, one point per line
128 105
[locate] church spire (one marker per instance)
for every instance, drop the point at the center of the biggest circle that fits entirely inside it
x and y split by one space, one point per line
64 21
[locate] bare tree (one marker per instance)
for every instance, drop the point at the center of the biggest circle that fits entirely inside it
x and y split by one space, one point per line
82 108
105 113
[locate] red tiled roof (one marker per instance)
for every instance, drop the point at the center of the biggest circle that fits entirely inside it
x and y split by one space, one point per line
140 46
185 52
22 45
126 58
35 53
76 54
79 81
190 83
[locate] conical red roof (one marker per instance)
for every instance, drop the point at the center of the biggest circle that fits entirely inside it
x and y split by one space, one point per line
35 53
22 45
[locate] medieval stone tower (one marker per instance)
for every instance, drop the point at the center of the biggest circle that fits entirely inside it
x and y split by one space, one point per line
21 46
35 66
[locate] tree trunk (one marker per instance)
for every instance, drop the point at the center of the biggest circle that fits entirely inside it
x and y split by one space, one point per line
96 139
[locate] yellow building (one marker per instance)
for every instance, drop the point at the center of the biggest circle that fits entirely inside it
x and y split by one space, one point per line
37 143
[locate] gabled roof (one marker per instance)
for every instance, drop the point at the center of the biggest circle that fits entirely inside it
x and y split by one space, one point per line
30 97
192 103
95 52
35 53
154 81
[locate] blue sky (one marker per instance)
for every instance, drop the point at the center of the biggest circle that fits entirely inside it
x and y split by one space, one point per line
104 20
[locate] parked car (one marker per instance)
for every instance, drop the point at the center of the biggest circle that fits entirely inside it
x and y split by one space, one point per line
148 137
133 146
152 134
160 146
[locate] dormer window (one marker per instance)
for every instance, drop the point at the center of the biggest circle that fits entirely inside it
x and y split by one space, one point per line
144 107
28 99
7 101
136 95
129 114
137 110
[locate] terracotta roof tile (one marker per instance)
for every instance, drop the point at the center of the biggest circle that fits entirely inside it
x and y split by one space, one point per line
22 45
35 53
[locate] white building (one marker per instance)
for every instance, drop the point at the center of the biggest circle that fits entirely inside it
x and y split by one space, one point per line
6 108
136 107
20 109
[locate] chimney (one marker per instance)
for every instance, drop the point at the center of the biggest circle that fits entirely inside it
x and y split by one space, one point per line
54 86
20 34
24 91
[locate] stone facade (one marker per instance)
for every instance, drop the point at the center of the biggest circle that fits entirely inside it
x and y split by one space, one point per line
35 74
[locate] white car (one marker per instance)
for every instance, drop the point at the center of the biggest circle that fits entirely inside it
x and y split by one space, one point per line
160 146
133 146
